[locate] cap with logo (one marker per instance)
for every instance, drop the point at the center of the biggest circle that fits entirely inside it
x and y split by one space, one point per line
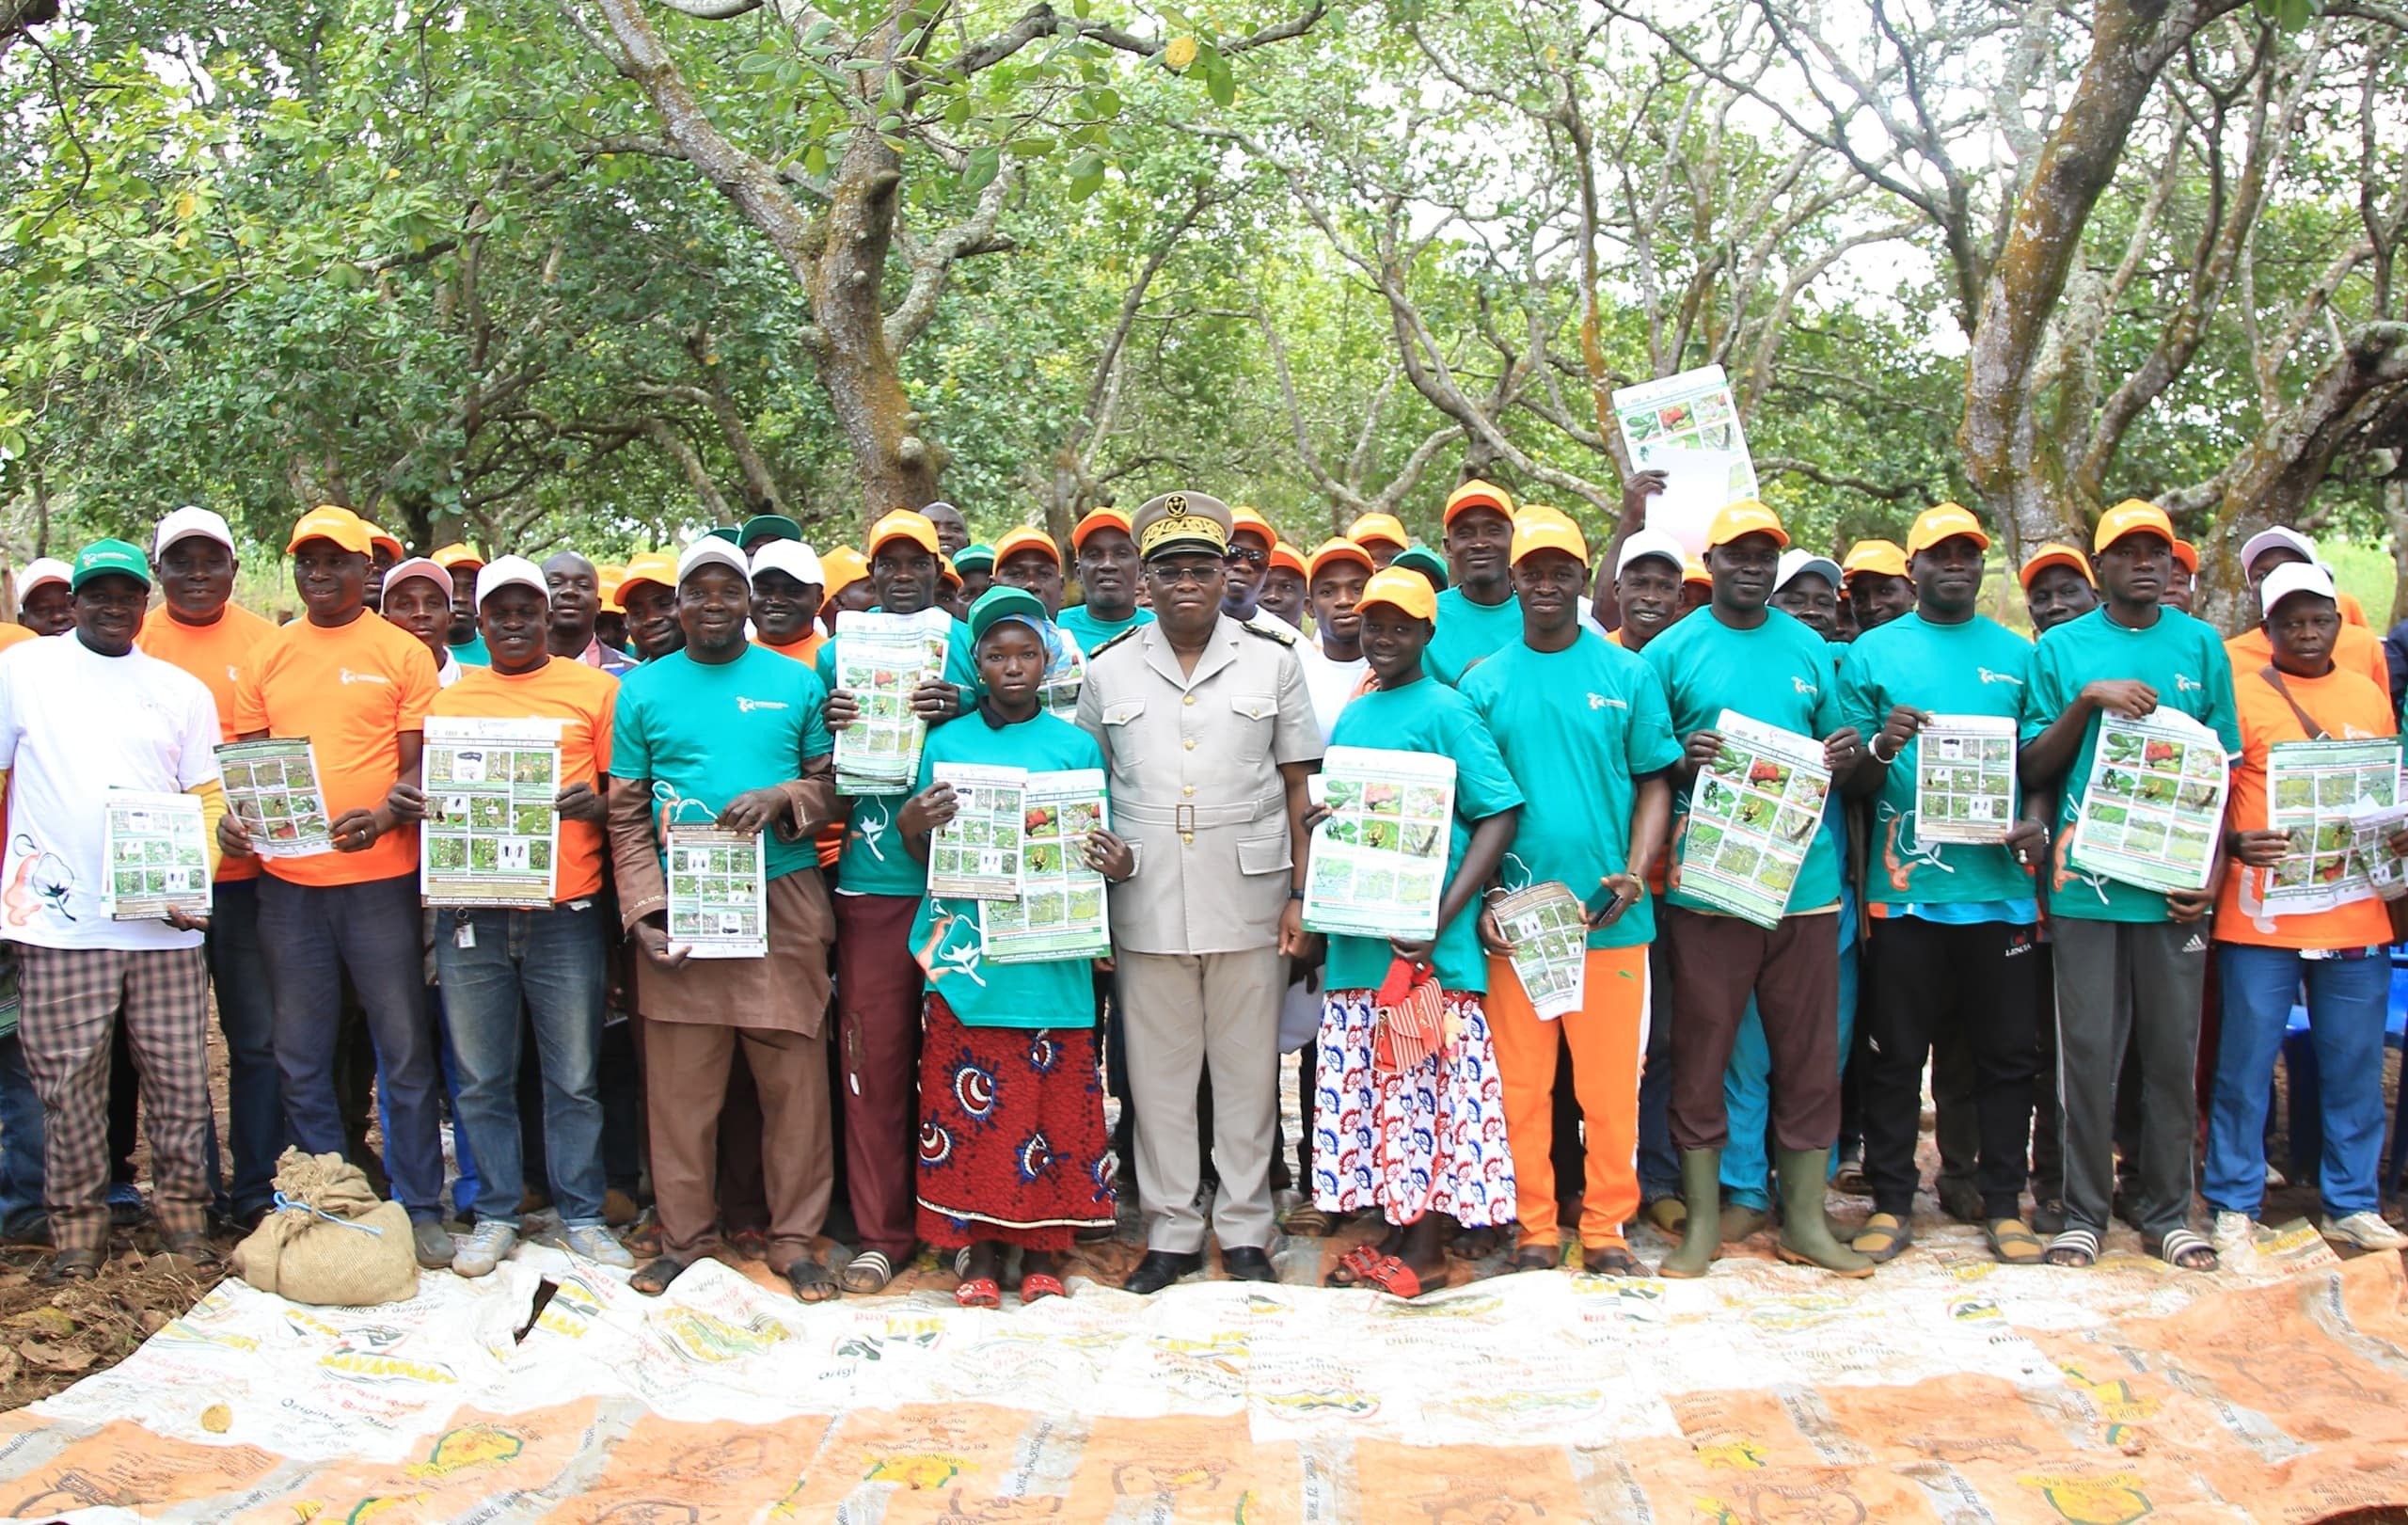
1386 528
1642 544
1882 558
456 557
1180 521
999 604
418 567
1027 537
1541 532
2280 537
2295 577
184 523
2055 553
655 567
1476 494
107 558
1402 589
1336 549
1795 563
341 525
2132 516
1421 559
1098 518
775 525
1745 516
902 524
793 558
710 550
511 572
1944 522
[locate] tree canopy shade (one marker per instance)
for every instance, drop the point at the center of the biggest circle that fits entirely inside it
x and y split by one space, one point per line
534 272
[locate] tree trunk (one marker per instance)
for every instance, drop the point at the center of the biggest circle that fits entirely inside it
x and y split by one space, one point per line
896 467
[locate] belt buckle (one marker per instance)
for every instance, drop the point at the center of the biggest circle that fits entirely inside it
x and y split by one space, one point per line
1183 820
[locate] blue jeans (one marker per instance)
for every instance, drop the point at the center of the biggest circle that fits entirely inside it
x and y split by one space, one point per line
463 1185
254 1133
2346 1004
21 1166
312 935
554 961
1747 1084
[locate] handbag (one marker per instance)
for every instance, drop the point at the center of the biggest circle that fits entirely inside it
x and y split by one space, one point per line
1409 1014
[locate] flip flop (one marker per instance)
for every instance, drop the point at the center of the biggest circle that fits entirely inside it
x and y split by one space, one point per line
654 1279
2076 1249
1033 1288
2186 1251
2014 1243
979 1291
811 1282
867 1272
1398 1279
1353 1267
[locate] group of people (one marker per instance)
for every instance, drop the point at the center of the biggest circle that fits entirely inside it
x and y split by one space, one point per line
876 1078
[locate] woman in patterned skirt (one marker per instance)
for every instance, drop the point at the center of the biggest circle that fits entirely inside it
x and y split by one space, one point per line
1410 1118
1012 1142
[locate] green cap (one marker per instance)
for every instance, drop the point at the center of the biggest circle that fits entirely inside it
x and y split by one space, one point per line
727 533
976 557
998 604
1421 559
102 557
774 525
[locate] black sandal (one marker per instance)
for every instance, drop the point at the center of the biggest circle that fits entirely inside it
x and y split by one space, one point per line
1536 1258
1613 1260
73 1265
652 1278
810 1282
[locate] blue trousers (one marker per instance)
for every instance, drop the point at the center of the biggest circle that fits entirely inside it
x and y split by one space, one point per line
1746 1082
2347 1001
22 1167
255 1133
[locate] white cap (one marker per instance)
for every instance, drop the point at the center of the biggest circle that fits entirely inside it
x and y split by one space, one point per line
47 569
511 572
1795 562
792 557
1650 543
710 550
2266 540
419 566
186 522
2293 576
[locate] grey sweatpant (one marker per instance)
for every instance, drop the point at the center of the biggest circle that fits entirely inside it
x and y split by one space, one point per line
2141 979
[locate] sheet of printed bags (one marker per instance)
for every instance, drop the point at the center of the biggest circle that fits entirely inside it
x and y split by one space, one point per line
1947 1388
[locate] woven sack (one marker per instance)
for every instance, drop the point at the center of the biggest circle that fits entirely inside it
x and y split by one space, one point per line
331 1241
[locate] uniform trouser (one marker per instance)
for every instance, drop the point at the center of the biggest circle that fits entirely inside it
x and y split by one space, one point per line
73 999
2138 981
255 1134
2346 1004
1792 969
313 935
1189 1015
686 1069
1659 1167
1607 1035
1972 979
878 1021
1747 1080
2048 1126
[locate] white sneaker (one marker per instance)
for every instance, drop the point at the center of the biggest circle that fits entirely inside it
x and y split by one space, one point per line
2274 1178
488 1246
599 1243
2232 1231
2366 1230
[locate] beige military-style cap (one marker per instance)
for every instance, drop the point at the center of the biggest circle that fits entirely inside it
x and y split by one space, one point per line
1180 521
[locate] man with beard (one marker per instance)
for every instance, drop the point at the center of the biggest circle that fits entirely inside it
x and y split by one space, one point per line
1108 573
1478 616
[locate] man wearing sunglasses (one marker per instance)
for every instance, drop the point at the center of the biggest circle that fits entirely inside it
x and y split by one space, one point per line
1247 562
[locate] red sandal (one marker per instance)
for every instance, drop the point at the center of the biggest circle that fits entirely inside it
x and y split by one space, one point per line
979 1291
1355 1267
1398 1279
1033 1288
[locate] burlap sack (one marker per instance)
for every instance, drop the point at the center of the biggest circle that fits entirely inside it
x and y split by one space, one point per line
335 1244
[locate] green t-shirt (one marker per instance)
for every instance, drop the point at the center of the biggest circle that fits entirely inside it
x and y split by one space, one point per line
1579 730
947 934
1778 674
1977 668
874 860
471 652
1093 633
2184 660
1430 718
1468 634
711 732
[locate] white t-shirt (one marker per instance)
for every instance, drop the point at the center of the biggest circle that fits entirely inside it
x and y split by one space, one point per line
74 726
1328 683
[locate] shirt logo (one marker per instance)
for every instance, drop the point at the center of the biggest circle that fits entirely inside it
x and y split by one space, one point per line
745 707
1988 677
349 677
232 673
1805 688
1599 701
2184 684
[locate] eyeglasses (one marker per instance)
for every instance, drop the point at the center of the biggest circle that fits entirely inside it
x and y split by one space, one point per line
1198 573
1246 555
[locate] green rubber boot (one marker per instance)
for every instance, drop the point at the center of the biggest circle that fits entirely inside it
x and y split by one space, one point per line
1805 1232
1702 1236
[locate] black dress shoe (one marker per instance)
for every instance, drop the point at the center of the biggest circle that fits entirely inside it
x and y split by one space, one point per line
1247 1263
1160 1269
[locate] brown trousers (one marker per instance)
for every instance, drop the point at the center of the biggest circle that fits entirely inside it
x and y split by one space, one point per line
1794 972
685 1083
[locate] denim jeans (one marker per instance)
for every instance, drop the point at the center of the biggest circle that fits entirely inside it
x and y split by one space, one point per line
464 1154
1747 1084
22 1168
255 1133
2347 1000
312 935
554 961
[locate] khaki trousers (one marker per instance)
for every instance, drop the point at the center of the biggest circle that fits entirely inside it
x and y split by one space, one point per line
1187 1015
686 1076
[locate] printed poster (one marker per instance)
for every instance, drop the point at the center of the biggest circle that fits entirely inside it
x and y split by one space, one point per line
1688 427
1549 929
158 857
2153 808
1060 912
880 659
1965 779
273 785
1754 812
976 855
492 835
718 892
2371 832
2316 791
1379 858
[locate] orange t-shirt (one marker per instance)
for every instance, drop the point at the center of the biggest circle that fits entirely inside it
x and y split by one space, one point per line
2344 706
354 690
805 651
2353 612
582 699
212 653
2356 649
12 632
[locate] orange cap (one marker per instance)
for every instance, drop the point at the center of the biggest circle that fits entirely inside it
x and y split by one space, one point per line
1478 494
1693 570
843 566
1944 522
1880 557
1027 537
903 524
1380 527
379 538
2132 517
2188 554
947 572
1404 589
648 567
1338 550
1548 532
1099 518
1284 555
2056 554
1244 517
607 589
1745 516
329 522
